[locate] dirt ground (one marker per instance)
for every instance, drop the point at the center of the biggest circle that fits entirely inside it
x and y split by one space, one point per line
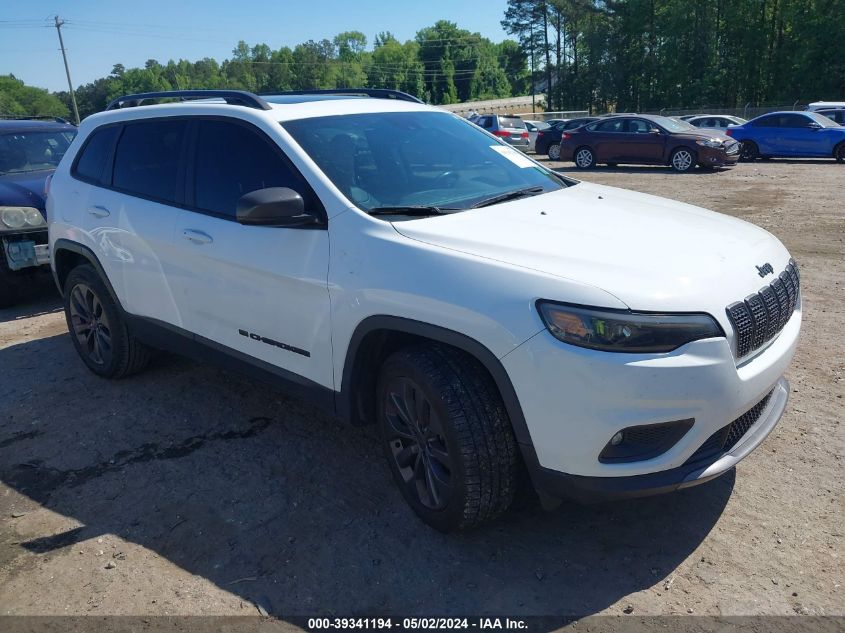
189 490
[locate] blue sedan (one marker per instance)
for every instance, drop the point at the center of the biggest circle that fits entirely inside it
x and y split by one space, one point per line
790 134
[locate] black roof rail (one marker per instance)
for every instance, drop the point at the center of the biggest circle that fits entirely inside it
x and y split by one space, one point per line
376 93
233 97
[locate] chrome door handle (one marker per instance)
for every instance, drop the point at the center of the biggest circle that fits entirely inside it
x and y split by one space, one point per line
99 212
197 237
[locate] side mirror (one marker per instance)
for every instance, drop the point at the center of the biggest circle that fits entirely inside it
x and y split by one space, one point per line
274 206
814 126
654 130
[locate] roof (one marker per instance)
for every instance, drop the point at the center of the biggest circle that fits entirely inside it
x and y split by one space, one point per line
25 125
292 108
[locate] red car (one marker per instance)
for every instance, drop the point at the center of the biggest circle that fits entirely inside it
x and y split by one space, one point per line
644 139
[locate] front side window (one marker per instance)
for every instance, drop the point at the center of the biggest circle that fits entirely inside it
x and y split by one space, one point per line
147 158
26 151
416 158
232 160
638 126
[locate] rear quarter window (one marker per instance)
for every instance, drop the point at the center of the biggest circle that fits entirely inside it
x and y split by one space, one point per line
95 154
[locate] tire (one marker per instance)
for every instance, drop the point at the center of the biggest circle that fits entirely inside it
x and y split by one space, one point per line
839 153
748 151
683 159
554 151
442 400
584 157
108 349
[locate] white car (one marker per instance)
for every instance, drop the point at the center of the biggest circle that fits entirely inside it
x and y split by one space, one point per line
400 266
533 128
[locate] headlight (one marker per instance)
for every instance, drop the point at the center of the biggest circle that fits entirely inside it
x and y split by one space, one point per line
623 331
710 142
20 217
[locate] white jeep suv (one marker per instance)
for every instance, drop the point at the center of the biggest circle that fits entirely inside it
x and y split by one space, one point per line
400 266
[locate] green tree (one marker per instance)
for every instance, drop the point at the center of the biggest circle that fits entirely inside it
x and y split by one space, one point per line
18 99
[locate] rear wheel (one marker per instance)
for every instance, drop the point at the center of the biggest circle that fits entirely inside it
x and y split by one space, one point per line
98 329
749 151
682 159
447 437
585 158
554 151
839 153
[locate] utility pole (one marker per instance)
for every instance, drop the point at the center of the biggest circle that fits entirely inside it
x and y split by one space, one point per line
59 24
533 104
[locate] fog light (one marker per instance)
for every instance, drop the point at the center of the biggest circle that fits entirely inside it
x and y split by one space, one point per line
616 440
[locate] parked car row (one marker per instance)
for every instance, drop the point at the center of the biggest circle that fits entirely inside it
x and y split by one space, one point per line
700 139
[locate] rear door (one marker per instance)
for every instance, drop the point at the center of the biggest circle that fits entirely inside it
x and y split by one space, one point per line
261 291
607 138
131 210
766 133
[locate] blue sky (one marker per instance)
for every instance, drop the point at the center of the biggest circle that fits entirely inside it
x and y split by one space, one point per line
100 34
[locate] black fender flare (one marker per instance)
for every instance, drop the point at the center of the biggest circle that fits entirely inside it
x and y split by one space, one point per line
63 244
442 335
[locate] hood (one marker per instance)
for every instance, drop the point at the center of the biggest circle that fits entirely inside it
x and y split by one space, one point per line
24 190
653 254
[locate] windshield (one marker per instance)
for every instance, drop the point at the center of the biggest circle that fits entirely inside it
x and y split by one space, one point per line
822 120
33 151
673 125
400 159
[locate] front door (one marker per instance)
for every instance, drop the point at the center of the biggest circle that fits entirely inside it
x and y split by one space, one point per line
640 144
260 291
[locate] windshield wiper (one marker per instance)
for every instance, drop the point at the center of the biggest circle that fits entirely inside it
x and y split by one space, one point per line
416 210
509 195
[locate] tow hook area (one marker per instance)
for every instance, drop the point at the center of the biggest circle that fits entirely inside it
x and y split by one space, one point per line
25 254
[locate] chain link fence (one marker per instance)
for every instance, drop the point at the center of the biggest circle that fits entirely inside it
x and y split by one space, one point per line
748 111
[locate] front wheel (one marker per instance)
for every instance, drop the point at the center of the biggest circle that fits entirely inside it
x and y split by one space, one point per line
98 329
447 436
682 160
585 158
749 151
554 151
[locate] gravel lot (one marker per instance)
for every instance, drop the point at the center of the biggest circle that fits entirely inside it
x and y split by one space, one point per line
189 490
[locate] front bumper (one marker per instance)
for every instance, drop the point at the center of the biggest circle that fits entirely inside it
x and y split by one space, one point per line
574 400
597 489
25 251
717 157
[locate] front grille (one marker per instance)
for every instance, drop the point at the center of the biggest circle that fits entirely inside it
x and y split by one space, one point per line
763 314
723 440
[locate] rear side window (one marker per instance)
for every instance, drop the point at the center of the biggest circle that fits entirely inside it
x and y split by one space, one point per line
146 161
232 160
92 161
613 125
